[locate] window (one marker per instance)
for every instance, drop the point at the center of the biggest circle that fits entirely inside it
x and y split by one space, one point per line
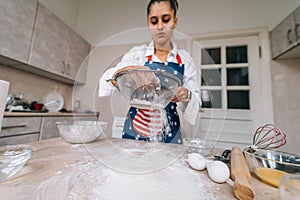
225 77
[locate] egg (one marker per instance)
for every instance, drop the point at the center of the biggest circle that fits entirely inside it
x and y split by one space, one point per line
196 161
218 171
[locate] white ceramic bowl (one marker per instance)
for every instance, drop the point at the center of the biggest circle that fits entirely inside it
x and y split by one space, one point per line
196 145
81 131
12 159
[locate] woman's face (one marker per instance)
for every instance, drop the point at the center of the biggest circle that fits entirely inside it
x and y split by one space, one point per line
161 22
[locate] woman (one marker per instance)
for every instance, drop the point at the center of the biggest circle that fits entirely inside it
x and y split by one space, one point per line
160 54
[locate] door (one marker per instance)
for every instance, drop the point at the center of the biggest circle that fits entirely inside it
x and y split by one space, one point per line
231 90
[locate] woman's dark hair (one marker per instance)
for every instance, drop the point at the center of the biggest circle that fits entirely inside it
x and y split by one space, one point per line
173 4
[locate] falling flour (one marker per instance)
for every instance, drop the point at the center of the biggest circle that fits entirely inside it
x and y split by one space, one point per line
145 104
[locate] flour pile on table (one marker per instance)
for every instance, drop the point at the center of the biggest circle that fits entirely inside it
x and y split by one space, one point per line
91 180
138 157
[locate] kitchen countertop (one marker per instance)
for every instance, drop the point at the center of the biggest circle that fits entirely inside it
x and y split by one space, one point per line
47 114
116 169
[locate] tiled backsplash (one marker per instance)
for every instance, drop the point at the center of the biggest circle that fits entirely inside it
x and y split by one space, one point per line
34 87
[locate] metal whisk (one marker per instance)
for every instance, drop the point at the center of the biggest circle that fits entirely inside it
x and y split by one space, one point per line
265 137
268 137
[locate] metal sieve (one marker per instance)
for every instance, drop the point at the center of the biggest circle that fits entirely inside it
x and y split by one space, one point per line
146 88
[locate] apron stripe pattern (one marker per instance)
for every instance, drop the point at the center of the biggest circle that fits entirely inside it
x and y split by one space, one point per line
147 122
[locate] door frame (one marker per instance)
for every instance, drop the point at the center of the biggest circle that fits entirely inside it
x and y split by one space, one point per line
266 108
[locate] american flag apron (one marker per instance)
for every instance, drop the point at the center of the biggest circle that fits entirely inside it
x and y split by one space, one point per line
148 123
143 124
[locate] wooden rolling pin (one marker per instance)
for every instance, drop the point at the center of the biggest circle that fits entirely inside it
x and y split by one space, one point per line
240 175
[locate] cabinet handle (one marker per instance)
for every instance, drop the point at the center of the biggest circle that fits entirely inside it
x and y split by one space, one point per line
63 67
13 126
289 36
68 69
297 31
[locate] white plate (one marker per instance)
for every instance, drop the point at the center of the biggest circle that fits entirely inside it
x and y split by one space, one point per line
53 101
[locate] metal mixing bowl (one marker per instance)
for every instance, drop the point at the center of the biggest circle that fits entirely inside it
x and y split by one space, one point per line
145 88
81 131
274 159
12 159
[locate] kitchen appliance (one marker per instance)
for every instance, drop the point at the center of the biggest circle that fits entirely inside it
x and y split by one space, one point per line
4 86
147 89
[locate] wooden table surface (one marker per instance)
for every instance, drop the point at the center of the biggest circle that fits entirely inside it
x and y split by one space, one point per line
116 169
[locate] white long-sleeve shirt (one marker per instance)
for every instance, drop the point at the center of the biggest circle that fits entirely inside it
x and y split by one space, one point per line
138 56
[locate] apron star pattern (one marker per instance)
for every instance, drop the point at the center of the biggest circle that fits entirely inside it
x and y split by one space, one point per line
162 125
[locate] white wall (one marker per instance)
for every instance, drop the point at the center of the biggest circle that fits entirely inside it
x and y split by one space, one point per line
66 10
99 19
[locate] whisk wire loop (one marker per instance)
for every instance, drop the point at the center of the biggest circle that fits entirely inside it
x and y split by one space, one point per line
268 137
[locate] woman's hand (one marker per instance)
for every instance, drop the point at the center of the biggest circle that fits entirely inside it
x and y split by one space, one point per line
114 82
182 95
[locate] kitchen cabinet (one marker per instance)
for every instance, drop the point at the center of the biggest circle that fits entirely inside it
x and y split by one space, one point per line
57 48
30 128
16 25
33 39
50 40
285 37
297 24
77 57
17 130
